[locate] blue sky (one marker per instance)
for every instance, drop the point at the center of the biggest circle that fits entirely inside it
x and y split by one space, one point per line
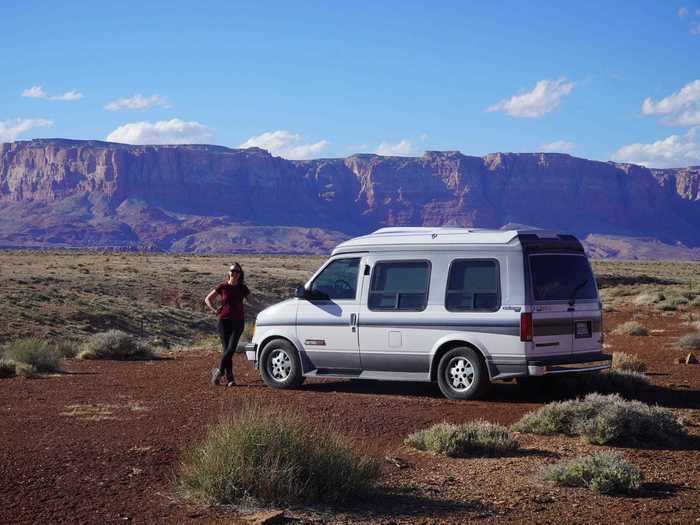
324 79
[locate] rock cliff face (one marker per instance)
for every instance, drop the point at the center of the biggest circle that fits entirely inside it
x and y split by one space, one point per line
57 192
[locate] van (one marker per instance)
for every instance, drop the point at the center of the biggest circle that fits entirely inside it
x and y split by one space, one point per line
462 307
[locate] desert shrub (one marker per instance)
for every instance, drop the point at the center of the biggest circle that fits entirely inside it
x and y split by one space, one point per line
603 420
627 383
676 300
114 344
631 328
666 307
690 341
604 472
274 457
628 362
33 355
474 438
649 298
7 368
66 348
695 301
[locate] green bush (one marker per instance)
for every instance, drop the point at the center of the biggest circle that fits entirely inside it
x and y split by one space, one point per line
628 363
474 438
690 341
7 368
274 457
604 472
631 328
114 344
33 355
603 420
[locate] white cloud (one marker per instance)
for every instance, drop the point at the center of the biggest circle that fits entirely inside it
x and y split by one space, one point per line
38 92
558 146
402 148
695 30
545 97
672 152
681 108
138 101
11 129
282 143
683 11
173 131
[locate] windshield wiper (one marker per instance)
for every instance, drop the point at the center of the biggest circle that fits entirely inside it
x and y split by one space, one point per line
572 298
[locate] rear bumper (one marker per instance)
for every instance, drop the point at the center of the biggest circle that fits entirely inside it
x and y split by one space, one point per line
568 364
508 367
251 351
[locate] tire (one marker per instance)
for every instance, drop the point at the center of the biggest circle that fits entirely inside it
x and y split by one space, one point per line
462 374
280 366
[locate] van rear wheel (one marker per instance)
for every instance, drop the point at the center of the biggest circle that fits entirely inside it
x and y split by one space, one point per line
280 366
462 374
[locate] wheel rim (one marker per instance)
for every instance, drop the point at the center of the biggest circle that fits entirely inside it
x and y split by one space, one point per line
279 365
459 374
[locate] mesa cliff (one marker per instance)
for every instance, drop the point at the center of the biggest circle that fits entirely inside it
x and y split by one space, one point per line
56 192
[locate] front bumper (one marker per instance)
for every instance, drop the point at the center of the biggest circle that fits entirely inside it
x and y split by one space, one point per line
568 364
251 352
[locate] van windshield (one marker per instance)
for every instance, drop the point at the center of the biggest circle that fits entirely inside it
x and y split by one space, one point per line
558 277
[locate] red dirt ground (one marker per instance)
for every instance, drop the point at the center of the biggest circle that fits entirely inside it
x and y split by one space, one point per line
100 444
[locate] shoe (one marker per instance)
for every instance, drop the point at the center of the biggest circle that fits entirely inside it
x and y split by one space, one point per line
215 376
231 383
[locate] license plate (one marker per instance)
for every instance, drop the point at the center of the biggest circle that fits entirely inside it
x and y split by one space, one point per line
582 329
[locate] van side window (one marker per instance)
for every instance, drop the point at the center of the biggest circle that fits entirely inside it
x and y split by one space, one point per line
399 285
473 285
338 280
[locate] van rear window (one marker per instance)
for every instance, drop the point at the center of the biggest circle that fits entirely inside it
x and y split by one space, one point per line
558 277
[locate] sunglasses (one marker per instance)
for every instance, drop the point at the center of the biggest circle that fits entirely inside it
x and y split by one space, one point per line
234 271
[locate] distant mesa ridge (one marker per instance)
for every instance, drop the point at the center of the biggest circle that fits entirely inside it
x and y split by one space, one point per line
204 198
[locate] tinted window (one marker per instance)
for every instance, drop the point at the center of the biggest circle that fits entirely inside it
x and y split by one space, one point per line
338 280
561 278
473 285
399 285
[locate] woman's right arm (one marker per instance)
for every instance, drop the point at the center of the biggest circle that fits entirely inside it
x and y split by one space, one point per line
208 299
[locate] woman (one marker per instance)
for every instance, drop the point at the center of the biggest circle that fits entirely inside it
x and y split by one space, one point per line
231 320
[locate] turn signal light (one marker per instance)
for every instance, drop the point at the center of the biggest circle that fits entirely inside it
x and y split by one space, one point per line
526 326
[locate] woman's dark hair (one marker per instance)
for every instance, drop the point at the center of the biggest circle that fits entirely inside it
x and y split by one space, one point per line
241 279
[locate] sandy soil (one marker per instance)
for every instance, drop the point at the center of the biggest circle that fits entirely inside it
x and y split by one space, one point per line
100 444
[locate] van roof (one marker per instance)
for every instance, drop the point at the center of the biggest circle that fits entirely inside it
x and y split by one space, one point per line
420 237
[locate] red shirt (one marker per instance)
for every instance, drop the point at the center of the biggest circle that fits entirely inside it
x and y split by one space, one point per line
232 296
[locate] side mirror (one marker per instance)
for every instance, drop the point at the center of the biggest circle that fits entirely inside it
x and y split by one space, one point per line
300 292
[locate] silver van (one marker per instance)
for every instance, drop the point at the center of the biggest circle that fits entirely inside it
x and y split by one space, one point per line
462 307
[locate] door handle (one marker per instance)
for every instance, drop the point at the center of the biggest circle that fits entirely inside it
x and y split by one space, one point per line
353 320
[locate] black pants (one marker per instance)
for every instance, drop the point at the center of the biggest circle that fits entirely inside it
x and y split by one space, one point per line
230 332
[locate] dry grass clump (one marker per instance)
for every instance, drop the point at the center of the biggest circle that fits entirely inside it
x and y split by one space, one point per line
628 363
631 328
274 457
7 368
604 472
32 356
690 341
649 298
114 344
604 420
474 438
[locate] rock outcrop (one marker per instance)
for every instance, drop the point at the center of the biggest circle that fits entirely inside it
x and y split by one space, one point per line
56 192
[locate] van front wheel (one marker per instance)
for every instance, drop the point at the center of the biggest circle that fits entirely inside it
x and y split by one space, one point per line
280 365
462 374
